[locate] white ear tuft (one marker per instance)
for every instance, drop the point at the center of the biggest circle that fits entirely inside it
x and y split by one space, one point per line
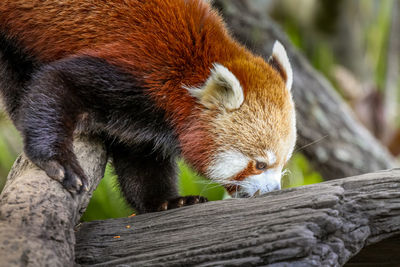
221 88
280 61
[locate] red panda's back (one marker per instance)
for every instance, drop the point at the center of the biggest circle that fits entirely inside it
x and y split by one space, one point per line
165 43
163 28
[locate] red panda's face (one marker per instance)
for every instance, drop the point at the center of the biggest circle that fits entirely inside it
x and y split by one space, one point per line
252 145
248 124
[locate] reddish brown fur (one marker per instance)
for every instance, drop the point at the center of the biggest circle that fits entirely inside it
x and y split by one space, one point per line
135 34
195 152
138 35
166 43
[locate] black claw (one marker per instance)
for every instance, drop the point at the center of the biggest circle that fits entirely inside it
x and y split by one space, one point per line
70 176
181 202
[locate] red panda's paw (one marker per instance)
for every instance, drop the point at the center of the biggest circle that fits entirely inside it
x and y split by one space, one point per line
71 177
181 202
74 182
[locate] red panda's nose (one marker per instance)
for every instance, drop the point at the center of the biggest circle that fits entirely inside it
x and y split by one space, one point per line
254 185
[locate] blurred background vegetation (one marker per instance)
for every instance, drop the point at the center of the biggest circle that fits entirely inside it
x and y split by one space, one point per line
354 44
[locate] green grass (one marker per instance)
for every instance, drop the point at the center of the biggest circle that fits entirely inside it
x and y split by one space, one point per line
8 150
107 201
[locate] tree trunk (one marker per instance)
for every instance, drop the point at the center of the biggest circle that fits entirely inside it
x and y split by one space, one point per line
319 225
38 216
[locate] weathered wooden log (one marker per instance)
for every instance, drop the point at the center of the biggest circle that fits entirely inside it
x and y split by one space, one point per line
38 216
344 147
319 225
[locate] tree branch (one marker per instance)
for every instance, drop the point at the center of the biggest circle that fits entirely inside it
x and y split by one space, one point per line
38 216
319 225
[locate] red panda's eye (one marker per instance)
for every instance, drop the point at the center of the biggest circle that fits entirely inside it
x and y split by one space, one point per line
262 166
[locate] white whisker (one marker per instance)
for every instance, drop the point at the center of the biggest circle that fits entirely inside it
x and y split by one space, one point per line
312 143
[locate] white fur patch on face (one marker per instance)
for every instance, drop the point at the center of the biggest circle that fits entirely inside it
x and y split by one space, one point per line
267 181
279 54
222 87
226 165
271 157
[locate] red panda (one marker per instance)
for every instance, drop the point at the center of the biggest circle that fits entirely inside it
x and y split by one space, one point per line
155 79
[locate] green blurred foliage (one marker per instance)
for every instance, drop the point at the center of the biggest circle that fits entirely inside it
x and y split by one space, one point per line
107 202
376 38
10 146
299 172
191 183
318 49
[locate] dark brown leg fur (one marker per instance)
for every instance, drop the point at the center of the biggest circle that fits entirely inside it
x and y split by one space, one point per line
45 102
47 120
148 179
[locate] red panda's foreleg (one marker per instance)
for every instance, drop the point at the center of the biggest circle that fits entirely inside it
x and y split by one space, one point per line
47 119
112 102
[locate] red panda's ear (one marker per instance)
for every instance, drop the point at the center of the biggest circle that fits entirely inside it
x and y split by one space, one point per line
280 62
222 88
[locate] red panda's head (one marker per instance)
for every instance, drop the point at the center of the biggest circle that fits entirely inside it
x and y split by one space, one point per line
245 130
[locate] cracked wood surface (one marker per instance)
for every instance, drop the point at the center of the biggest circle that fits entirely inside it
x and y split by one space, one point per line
318 225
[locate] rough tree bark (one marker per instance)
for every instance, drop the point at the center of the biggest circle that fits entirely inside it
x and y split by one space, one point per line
319 225
345 147
38 216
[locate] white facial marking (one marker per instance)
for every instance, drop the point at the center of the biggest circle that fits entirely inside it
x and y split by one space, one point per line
267 181
227 164
271 157
280 54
